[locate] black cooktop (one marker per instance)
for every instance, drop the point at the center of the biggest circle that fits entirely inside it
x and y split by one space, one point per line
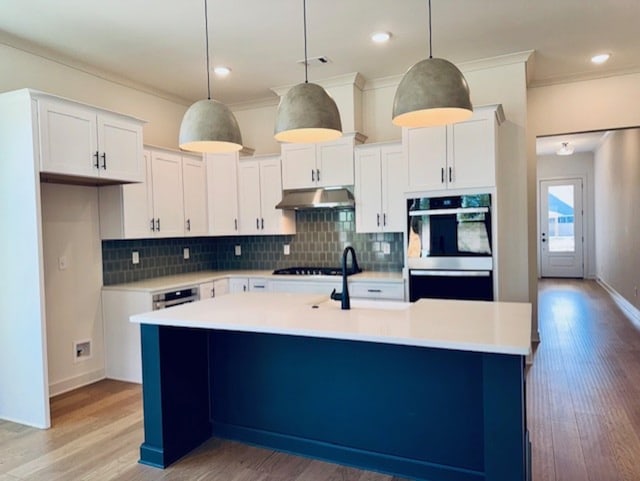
314 271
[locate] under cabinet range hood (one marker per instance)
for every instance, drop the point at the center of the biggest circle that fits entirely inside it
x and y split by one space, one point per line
320 198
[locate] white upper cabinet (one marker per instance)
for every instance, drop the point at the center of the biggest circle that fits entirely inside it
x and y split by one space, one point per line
222 187
260 188
379 188
194 182
459 156
318 165
79 141
170 202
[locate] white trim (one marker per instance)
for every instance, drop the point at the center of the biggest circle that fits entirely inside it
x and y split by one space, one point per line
625 306
75 382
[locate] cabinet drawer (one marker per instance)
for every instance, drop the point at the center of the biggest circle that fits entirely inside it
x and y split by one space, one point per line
375 290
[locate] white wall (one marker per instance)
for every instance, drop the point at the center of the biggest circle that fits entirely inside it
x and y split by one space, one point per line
70 228
617 186
552 167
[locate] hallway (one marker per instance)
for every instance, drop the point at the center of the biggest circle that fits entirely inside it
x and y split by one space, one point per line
583 389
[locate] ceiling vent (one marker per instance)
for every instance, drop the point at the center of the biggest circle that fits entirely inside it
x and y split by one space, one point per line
322 60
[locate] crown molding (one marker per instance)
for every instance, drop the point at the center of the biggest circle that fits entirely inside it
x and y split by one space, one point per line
353 78
582 77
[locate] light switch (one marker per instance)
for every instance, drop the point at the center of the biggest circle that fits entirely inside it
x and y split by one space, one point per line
386 248
287 249
135 257
238 250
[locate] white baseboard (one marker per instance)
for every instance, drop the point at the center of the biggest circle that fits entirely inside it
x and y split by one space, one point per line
75 382
625 306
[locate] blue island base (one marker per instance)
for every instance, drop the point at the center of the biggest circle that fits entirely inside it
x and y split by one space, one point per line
423 413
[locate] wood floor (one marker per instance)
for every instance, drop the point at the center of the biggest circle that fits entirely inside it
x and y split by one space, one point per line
583 393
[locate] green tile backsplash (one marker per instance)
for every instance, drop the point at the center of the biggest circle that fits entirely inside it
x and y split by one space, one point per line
321 237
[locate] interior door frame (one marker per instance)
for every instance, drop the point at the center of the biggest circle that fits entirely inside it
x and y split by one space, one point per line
585 217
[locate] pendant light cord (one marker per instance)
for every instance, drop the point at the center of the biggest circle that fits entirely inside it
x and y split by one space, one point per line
304 22
430 41
206 34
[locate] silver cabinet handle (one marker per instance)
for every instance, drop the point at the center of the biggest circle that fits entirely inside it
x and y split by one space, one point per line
374 290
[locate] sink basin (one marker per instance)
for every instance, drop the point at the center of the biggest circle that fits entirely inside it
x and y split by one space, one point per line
364 304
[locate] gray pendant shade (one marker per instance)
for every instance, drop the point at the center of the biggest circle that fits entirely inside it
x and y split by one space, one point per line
307 114
209 126
432 92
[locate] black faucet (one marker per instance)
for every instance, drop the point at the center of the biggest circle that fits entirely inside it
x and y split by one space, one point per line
344 295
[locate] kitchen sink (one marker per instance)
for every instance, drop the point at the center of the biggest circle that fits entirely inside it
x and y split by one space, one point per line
364 304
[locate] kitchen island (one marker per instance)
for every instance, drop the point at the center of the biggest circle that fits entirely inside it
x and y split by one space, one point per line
431 390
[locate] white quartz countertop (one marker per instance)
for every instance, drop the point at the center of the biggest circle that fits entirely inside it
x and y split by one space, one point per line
495 327
178 281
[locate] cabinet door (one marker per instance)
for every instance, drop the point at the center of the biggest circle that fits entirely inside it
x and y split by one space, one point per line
473 156
194 182
120 147
298 166
68 141
258 285
206 290
168 203
368 184
334 163
426 157
394 184
271 219
222 187
249 198
221 287
238 284
138 204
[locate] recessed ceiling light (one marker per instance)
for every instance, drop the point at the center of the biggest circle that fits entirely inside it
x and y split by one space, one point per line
600 58
380 37
222 71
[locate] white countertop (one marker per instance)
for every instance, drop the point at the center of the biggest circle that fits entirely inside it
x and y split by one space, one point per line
193 278
495 327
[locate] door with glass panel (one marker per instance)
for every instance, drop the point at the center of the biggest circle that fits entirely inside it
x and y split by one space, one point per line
561 235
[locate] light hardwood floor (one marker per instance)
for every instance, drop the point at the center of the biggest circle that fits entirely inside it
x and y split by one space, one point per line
583 393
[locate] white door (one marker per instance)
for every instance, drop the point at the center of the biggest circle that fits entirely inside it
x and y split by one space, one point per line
561 235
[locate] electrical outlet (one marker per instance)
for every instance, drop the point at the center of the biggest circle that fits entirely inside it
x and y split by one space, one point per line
63 263
287 249
386 248
238 250
185 253
135 257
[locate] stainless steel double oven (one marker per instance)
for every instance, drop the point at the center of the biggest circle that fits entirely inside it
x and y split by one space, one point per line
449 247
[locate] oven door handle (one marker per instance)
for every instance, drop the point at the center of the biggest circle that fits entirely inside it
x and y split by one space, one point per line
440 273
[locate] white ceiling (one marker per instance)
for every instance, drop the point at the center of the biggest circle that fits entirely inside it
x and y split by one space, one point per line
159 44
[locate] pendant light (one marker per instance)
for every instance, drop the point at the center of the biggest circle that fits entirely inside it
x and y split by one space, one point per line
307 113
209 125
432 92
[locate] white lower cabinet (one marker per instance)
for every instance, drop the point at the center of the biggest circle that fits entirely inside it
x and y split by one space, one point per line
377 290
206 290
246 284
306 286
